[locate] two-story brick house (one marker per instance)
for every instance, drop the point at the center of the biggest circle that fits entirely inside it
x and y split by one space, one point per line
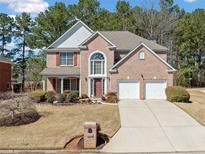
96 63
5 74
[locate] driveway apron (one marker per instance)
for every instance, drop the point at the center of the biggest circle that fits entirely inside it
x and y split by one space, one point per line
155 126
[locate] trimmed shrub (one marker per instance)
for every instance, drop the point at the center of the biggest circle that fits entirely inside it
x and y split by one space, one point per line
84 96
61 98
50 96
37 95
66 92
112 94
103 98
73 97
112 97
177 94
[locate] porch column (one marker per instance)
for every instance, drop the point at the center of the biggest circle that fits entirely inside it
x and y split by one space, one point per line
62 81
44 85
80 87
142 88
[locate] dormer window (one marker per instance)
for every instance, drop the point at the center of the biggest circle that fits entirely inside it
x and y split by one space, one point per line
66 59
141 56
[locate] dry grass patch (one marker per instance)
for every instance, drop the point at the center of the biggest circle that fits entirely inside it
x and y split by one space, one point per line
58 125
197 108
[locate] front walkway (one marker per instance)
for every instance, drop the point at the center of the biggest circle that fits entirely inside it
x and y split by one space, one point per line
155 126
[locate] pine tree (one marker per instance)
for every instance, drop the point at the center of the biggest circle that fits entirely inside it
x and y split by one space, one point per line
6 24
22 32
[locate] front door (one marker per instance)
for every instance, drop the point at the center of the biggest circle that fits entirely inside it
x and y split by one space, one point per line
98 87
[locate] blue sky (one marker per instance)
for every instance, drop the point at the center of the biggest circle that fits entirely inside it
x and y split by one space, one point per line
14 7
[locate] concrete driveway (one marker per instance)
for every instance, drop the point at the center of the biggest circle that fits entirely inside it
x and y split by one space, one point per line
155 126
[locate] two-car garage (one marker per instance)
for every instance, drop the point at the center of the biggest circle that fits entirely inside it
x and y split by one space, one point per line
152 89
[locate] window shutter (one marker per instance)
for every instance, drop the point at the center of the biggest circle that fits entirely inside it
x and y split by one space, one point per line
57 58
75 58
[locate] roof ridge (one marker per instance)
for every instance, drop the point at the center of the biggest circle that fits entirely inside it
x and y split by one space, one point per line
114 31
136 36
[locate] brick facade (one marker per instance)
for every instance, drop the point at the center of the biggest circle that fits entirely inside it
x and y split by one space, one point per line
97 44
5 76
113 45
151 68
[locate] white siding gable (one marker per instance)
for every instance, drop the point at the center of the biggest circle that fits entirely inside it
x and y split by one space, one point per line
76 38
73 37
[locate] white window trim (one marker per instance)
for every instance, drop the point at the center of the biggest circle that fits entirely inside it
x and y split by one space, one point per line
70 83
92 86
142 55
66 58
89 65
93 76
93 69
89 86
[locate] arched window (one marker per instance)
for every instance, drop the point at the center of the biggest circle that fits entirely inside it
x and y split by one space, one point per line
97 64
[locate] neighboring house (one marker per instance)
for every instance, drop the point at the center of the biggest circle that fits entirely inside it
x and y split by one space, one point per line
96 63
5 74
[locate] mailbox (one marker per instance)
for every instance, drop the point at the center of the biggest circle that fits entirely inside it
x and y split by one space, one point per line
90 135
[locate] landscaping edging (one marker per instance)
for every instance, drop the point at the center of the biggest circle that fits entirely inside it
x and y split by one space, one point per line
57 151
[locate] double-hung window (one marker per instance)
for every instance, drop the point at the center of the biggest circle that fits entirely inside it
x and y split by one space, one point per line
66 58
97 63
70 84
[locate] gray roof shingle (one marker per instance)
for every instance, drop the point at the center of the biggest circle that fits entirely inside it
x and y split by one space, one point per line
61 71
127 40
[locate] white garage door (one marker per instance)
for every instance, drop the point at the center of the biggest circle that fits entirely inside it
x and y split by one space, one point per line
155 89
129 90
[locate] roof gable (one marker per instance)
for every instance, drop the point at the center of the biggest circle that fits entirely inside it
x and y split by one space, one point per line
95 35
73 37
171 69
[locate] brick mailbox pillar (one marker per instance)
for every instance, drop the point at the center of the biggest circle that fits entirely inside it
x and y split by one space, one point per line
90 135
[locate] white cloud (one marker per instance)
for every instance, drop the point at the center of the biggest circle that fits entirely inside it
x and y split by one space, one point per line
12 16
6 1
190 1
29 6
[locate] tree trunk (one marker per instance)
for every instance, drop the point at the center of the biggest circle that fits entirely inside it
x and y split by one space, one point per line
3 42
24 65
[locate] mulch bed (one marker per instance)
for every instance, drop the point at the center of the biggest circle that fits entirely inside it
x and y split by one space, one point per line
77 143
